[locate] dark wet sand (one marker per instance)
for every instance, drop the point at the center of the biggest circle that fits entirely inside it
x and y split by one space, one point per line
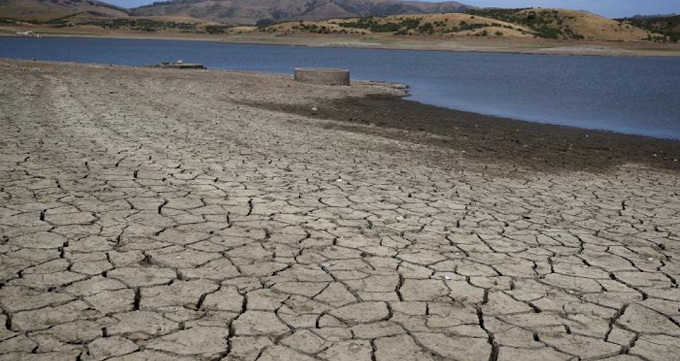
492 139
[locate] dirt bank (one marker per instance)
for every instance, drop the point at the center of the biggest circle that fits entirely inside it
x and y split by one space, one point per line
492 139
436 43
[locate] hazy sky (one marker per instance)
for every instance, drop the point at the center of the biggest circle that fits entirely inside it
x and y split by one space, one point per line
610 8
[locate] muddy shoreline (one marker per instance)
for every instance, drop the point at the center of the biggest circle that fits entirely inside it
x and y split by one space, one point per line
483 138
486 138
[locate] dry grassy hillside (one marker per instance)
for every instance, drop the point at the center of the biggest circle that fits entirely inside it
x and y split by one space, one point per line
449 24
250 12
531 23
587 25
525 23
45 10
567 24
155 24
667 26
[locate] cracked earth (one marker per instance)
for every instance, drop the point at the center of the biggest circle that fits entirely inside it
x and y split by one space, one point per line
151 215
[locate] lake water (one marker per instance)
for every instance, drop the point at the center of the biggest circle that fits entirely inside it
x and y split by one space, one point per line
629 95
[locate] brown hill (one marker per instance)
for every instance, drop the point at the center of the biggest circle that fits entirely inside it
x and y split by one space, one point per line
44 10
567 24
524 23
264 11
667 26
411 24
340 17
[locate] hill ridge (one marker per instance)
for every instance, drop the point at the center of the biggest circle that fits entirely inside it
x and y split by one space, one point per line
250 12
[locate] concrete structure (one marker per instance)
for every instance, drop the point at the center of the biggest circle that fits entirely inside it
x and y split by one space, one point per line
28 34
178 65
325 76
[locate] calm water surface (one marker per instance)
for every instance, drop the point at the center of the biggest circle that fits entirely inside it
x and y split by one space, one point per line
630 95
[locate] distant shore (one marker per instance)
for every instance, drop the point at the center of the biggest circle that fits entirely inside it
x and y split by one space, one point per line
427 43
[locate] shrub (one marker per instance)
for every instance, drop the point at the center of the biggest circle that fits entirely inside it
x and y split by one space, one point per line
548 33
216 29
263 23
426 29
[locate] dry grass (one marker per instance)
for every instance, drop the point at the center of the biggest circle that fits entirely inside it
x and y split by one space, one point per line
35 10
591 26
581 24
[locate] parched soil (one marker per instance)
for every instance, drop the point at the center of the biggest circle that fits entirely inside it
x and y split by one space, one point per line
151 214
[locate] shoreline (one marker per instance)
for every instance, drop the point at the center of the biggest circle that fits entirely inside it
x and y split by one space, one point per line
544 147
616 53
556 48
407 96
487 138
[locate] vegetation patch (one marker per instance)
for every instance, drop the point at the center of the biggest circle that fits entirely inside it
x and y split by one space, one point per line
667 26
546 24
217 29
148 25
370 23
311 28
140 24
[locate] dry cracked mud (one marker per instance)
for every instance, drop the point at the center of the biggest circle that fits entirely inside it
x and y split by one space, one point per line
151 215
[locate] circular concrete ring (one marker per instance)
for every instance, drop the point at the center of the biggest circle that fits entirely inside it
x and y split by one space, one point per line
324 76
